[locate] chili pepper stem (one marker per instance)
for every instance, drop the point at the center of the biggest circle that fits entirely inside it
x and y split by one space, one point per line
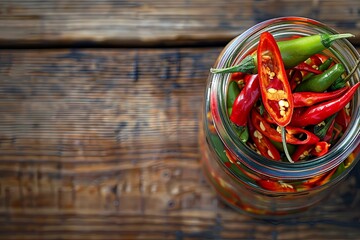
245 66
328 39
283 138
352 70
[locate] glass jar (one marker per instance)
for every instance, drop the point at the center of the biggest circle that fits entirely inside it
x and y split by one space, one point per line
234 170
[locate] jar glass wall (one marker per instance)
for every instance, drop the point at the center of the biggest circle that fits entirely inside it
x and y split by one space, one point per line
234 170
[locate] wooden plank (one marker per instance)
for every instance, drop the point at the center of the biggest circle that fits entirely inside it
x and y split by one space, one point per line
161 23
80 123
102 144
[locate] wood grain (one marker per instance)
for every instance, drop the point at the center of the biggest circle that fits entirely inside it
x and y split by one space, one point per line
156 23
102 144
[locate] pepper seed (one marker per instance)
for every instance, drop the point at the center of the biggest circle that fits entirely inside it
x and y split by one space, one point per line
272 90
262 126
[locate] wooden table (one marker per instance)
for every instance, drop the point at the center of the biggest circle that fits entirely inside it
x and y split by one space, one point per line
99 118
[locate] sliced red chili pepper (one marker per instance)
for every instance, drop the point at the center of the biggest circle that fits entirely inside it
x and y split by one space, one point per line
263 144
308 68
317 113
316 60
301 152
292 133
274 85
306 99
245 101
320 149
276 186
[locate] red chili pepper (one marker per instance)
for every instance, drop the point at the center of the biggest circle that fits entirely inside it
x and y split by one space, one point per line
263 144
267 118
237 76
317 113
274 85
296 78
317 60
245 100
343 118
291 132
306 67
301 152
329 134
306 99
276 186
320 149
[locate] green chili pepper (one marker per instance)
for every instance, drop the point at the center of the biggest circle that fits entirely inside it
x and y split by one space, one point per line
233 92
320 130
341 82
292 51
321 82
325 65
242 132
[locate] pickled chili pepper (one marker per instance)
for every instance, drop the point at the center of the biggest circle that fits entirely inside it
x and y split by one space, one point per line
343 118
237 76
322 129
338 83
291 132
329 134
295 78
320 149
322 58
276 186
263 144
306 99
314 61
341 82
303 66
317 113
293 52
302 152
274 86
337 133
245 100
321 82
325 65
233 92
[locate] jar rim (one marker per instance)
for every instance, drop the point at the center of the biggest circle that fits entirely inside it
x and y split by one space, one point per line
254 161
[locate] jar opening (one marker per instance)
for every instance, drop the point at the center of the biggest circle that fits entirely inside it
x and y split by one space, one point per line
241 46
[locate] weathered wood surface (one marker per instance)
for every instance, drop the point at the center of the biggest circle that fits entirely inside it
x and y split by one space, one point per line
147 23
102 144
